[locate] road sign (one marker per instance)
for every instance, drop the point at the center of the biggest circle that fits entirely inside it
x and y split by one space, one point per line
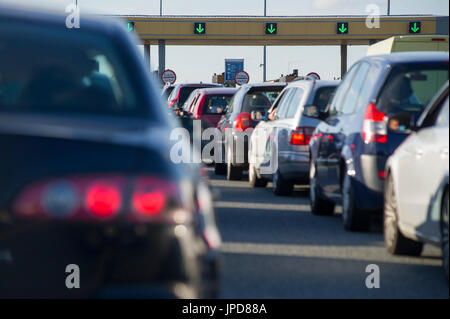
130 26
313 75
199 28
415 27
271 28
168 77
231 67
342 27
241 77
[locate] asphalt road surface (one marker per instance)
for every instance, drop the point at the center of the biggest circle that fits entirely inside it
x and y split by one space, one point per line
273 247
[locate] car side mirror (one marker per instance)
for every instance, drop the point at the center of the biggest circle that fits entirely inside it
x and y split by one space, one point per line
311 111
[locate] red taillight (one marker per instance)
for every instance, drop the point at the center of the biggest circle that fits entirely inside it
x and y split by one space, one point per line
100 198
243 121
301 135
149 203
103 200
382 174
374 128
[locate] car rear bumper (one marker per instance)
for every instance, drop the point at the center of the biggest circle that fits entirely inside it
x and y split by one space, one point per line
152 256
295 166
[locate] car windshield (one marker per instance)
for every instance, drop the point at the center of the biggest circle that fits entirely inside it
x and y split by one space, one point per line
260 99
409 88
216 104
47 71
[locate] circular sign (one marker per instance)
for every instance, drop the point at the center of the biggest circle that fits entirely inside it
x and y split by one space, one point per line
241 77
168 77
313 75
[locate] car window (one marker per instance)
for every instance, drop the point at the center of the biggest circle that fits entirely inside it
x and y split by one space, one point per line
443 117
259 99
323 97
367 89
294 102
60 74
284 104
336 103
174 93
215 104
349 102
410 87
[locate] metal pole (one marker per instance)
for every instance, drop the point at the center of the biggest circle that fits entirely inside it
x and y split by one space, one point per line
388 7
343 59
147 55
161 56
160 7
264 50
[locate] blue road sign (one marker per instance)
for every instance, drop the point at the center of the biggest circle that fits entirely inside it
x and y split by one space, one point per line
232 66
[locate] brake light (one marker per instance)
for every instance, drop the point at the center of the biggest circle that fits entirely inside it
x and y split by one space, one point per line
382 174
301 135
148 203
243 121
374 128
103 200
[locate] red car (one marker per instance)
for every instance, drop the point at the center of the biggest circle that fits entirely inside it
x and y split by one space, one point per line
210 104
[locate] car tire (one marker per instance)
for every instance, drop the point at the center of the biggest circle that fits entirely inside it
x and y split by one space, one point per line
220 169
395 242
354 218
319 206
444 231
253 178
281 187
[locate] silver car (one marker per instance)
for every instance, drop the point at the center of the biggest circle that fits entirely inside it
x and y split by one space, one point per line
416 192
279 146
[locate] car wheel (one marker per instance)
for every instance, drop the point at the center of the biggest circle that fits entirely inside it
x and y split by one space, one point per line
253 178
354 219
395 242
220 168
233 173
444 231
319 206
281 187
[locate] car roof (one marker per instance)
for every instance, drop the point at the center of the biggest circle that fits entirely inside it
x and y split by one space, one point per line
409 57
264 84
89 23
198 84
315 83
218 91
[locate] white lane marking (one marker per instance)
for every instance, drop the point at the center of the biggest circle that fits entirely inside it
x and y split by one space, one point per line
355 253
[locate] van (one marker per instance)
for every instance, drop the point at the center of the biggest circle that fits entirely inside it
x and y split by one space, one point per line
407 43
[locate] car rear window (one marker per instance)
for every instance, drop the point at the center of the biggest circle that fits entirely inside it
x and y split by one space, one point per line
322 97
185 91
48 70
215 104
260 99
409 88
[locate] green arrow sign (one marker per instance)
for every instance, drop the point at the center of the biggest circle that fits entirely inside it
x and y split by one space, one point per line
271 28
342 28
130 26
414 27
199 28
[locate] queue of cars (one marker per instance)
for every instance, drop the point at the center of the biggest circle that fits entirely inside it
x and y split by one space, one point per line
375 142
86 185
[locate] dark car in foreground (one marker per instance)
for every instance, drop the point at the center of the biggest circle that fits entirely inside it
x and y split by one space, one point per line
368 118
86 186
247 108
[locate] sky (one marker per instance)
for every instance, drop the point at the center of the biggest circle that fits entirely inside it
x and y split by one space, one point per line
199 63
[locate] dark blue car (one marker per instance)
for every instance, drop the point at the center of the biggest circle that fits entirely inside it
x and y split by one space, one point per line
370 115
